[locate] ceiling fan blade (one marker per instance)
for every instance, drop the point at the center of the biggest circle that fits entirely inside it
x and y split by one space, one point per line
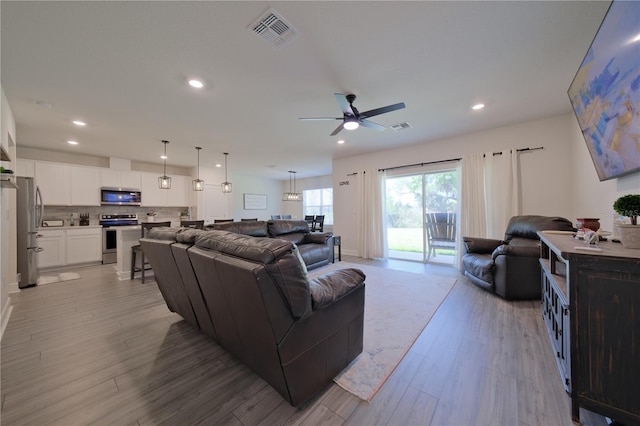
382 110
319 118
338 129
372 125
344 104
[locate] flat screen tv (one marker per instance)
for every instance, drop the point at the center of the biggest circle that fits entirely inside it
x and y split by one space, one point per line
605 93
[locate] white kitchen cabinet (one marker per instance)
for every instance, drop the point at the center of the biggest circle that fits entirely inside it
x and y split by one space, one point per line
120 179
54 183
69 246
110 178
130 180
84 245
85 186
25 168
178 195
152 195
53 243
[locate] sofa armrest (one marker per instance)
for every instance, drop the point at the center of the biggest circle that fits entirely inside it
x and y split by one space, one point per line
517 251
317 238
334 286
481 245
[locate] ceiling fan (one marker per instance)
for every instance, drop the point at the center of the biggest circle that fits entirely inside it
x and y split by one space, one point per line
352 118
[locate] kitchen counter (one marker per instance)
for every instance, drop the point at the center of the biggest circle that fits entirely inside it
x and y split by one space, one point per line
42 228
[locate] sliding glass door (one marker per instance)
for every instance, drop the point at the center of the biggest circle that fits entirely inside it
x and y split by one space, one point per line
421 216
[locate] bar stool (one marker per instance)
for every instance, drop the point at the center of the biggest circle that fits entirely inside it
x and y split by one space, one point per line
197 224
145 226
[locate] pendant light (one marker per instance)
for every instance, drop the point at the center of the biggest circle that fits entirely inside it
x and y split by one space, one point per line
292 195
198 184
226 185
164 181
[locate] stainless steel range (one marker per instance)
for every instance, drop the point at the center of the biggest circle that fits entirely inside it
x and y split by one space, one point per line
109 244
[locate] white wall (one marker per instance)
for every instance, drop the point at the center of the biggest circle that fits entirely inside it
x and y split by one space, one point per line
232 205
546 174
592 198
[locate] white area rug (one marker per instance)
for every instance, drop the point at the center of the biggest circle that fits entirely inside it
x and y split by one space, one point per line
398 305
50 279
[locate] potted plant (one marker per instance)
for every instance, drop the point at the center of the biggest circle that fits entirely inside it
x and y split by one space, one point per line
151 216
629 205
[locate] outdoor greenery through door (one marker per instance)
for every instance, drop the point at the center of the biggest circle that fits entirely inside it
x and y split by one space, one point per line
409 199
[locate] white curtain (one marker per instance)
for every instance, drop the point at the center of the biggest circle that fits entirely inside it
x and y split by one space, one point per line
370 202
490 193
501 191
473 215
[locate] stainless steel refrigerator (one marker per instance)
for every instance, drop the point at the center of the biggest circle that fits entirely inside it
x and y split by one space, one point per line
29 212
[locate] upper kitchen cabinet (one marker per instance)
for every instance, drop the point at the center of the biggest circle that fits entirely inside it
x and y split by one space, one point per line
85 186
153 196
120 179
178 195
53 180
26 168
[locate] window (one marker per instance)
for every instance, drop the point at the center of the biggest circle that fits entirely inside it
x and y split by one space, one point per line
319 201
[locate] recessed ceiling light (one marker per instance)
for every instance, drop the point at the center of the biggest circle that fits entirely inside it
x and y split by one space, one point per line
196 83
340 142
72 142
477 107
164 157
79 123
218 165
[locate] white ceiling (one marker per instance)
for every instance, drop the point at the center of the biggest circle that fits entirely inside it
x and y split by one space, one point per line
122 67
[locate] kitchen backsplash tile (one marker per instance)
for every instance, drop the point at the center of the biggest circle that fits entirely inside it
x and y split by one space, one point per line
64 212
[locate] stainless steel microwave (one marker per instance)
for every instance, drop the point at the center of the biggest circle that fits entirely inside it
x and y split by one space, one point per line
120 197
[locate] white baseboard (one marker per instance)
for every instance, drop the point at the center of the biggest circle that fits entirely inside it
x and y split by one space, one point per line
6 314
13 288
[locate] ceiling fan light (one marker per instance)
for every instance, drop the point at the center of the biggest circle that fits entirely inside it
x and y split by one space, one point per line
351 125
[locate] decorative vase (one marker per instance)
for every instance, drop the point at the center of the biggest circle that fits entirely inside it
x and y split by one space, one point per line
630 236
151 219
589 223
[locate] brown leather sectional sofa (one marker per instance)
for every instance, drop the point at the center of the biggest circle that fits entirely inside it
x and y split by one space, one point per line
316 249
510 267
253 296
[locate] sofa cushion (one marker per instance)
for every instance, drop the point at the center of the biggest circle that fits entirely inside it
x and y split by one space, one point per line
278 259
279 228
528 226
479 265
163 233
333 286
480 245
252 228
188 235
263 250
314 253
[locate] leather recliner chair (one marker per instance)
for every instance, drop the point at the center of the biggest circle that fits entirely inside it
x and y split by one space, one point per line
510 267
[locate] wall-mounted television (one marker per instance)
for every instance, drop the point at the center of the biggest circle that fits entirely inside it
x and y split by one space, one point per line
605 92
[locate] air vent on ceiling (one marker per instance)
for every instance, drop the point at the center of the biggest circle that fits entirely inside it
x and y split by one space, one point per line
400 126
274 28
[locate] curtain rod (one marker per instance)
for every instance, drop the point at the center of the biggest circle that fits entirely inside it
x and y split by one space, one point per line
450 160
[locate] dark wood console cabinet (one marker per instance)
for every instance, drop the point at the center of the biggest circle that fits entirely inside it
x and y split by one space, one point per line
597 294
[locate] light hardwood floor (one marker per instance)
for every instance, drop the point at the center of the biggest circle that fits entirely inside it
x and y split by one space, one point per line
107 352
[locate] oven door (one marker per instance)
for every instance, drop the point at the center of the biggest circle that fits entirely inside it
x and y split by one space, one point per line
109 246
